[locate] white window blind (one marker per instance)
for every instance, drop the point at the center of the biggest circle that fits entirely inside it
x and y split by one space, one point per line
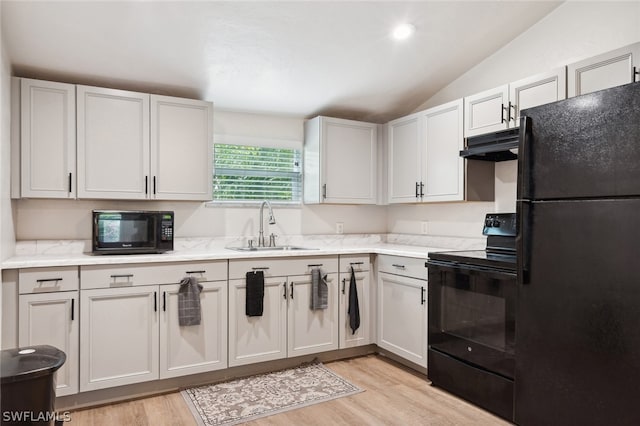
253 173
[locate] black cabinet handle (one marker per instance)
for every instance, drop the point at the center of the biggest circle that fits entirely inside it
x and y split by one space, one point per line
291 291
421 189
284 293
417 186
422 292
195 272
73 304
122 276
146 184
44 280
356 263
635 72
260 268
324 191
315 265
69 182
154 185
344 283
502 113
155 301
396 265
164 301
515 110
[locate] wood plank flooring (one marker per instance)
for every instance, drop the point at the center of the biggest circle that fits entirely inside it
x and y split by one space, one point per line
394 395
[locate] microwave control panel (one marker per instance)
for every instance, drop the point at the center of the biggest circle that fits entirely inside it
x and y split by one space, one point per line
166 227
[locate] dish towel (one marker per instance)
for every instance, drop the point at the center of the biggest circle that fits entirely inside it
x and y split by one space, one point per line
319 289
254 302
354 306
189 301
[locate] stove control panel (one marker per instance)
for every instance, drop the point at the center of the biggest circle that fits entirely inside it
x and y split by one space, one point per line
503 224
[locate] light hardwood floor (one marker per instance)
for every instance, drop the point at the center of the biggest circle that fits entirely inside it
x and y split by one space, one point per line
394 395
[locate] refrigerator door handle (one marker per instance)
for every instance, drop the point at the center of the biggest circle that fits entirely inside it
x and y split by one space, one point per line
523 155
523 242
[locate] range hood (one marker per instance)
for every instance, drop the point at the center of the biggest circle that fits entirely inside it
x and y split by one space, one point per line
496 146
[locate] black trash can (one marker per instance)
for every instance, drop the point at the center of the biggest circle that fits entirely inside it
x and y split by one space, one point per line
28 384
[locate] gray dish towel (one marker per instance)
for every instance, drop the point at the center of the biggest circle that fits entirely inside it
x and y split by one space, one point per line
319 289
189 301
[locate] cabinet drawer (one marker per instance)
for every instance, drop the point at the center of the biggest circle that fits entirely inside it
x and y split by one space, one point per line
281 267
360 263
406 266
126 275
44 280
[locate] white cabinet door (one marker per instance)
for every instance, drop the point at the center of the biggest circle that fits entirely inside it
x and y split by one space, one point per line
311 331
256 339
119 336
443 168
402 316
600 72
348 338
181 148
113 143
349 161
195 348
486 111
52 319
47 139
405 147
340 163
536 90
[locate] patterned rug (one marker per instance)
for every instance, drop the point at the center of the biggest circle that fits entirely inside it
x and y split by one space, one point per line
246 399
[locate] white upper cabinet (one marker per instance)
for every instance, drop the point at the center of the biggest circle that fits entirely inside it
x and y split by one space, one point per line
424 155
340 161
499 109
47 139
487 111
113 143
536 90
615 68
181 148
443 171
404 155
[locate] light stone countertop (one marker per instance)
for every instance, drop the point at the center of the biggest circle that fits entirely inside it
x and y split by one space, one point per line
34 254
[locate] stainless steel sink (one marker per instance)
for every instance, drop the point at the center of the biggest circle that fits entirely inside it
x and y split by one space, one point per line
277 248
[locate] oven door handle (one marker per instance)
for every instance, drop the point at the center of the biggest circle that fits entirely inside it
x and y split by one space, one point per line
455 266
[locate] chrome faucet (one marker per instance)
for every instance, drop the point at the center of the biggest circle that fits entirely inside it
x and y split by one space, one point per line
272 221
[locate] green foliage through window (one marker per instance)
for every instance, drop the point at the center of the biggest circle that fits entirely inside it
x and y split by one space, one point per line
253 173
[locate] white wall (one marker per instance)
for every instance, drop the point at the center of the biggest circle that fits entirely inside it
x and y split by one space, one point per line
7 236
65 219
574 31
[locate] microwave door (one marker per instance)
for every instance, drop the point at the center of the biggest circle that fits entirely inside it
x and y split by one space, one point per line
124 231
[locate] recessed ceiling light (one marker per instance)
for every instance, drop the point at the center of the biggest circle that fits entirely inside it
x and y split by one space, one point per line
403 31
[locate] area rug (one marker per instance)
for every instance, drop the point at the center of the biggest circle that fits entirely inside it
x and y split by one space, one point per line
242 400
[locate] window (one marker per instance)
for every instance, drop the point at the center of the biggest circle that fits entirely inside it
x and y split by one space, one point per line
254 173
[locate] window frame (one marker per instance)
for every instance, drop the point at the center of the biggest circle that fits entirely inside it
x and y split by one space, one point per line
264 143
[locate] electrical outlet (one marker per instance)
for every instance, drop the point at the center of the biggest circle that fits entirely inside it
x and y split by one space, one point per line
339 227
424 227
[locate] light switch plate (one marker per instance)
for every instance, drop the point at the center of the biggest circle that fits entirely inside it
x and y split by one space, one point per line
339 227
424 227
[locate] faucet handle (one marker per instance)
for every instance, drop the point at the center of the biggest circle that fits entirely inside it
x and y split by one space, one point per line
250 242
272 240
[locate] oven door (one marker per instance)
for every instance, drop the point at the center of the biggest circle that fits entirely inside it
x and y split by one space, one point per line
472 314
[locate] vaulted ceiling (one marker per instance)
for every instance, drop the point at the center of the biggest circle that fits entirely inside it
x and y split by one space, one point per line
296 58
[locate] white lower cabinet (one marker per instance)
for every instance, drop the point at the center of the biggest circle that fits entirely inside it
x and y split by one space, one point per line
361 268
130 331
48 315
195 348
311 330
119 335
402 311
288 326
52 319
263 338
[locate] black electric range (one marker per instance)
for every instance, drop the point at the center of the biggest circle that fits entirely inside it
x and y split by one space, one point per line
471 301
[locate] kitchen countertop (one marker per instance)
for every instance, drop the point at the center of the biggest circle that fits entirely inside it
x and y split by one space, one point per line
74 253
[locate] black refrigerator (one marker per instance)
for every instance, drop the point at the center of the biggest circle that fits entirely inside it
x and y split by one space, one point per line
578 293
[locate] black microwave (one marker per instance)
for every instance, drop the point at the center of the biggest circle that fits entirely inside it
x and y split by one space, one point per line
132 232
